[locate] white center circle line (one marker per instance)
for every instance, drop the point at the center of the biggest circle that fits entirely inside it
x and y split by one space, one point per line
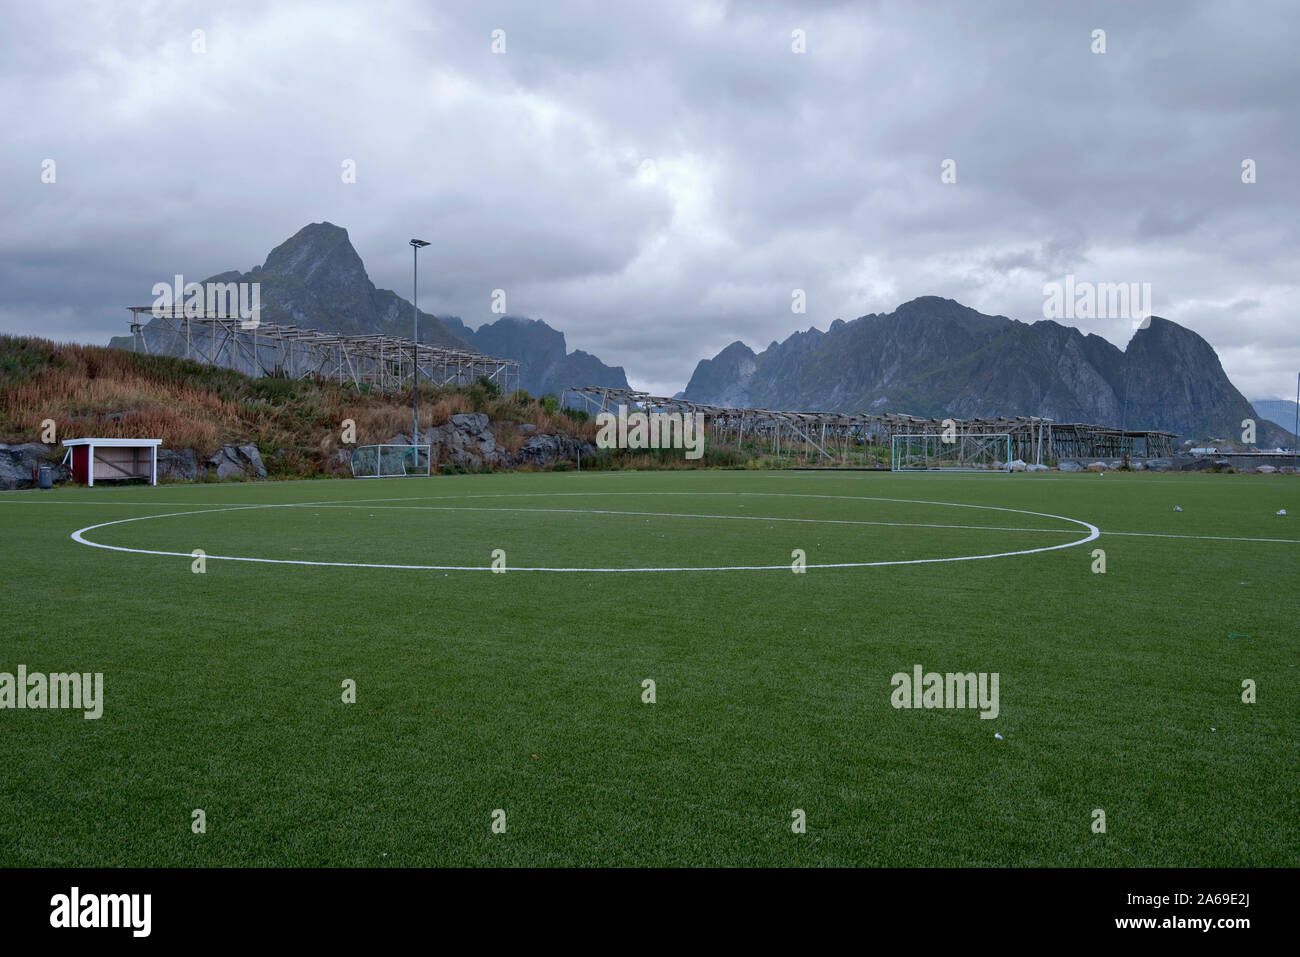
1093 533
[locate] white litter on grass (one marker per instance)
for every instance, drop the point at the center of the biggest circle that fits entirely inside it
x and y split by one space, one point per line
1214 729
1281 511
998 736
1178 508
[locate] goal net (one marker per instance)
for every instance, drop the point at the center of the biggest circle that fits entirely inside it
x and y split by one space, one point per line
977 452
388 461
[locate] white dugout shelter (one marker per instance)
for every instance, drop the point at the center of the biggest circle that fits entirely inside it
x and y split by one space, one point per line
112 459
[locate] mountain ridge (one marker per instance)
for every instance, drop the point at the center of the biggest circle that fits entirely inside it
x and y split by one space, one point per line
1281 412
935 357
546 365
315 279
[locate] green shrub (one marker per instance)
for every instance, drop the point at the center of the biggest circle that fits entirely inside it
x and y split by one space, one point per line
272 388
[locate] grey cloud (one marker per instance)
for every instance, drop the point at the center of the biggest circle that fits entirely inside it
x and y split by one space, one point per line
775 170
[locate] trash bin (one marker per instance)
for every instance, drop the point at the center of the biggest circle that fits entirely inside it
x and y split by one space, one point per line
45 477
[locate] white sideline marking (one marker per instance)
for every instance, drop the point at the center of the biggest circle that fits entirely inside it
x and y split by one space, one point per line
1207 538
1093 532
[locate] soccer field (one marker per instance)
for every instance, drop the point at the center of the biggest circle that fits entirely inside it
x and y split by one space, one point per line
523 690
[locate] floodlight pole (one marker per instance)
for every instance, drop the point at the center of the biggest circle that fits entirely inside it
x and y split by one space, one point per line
1123 427
416 245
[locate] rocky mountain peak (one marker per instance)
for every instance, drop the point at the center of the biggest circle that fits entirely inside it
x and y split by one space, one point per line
936 357
315 251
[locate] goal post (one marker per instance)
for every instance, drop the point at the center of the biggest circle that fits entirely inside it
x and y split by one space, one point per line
971 452
389 461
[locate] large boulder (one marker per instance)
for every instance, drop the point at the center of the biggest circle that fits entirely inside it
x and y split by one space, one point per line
545 450
13 472
471 422
465 439
256 467
237 461
19 462
181 465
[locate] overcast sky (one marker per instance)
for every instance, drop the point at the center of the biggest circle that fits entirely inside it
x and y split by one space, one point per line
772 170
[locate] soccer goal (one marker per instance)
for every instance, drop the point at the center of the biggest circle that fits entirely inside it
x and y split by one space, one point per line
978 452
389 461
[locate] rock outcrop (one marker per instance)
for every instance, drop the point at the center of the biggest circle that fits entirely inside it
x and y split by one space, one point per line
18 464
181 465
237 461
466 440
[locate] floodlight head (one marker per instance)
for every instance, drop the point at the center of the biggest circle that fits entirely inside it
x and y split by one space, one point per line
417 243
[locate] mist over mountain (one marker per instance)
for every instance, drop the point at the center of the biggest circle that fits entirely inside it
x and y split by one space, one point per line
1278 411
935 357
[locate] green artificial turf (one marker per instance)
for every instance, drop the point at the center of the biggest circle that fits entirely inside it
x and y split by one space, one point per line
523 691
